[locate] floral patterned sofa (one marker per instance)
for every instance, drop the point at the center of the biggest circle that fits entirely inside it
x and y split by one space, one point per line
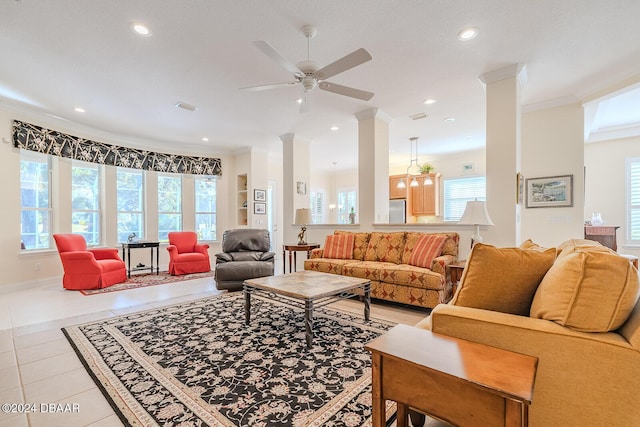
404 267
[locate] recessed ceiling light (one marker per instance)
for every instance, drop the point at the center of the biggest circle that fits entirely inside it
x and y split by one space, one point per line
299 100
205 139
450 119
429 101
467 34
141 29
335 128
79 109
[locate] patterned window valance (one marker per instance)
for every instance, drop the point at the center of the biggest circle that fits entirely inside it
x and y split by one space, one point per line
46 141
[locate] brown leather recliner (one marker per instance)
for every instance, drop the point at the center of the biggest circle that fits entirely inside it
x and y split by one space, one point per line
245 255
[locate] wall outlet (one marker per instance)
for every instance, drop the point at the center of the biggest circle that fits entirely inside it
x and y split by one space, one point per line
37 266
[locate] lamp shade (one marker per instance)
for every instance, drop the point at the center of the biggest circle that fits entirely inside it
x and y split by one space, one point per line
303 216
475 213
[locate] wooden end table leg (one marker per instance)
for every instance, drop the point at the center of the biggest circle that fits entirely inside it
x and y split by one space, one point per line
402 415
515 414
284 261
378 414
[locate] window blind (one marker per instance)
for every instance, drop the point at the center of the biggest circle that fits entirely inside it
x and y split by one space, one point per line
459 191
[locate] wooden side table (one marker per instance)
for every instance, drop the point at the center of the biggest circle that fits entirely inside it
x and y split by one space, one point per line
293 249
458 381
456 269
603 234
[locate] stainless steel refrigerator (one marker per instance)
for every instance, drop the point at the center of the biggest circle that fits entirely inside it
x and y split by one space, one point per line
397 211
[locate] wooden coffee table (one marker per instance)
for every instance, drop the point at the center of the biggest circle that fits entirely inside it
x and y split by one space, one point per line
309 289
458 381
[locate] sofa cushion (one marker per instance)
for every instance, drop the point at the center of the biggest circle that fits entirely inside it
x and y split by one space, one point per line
339 246
409 275
360 243
326 265
502 279
385 247
572 245
588 290
364 269
426 249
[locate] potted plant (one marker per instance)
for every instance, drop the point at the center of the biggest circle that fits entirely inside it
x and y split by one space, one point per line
426 168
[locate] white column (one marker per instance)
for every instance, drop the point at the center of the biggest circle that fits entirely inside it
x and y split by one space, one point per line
503 153
295 153
373 167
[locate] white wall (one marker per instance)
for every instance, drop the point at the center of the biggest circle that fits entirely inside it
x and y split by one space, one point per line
605 173
552 144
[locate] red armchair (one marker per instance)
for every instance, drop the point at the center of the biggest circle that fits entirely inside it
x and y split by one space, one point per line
88 269
186 255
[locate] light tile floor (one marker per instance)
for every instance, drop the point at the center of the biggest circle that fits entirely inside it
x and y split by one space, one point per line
38 366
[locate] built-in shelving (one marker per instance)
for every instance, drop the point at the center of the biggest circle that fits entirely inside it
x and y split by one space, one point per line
243 200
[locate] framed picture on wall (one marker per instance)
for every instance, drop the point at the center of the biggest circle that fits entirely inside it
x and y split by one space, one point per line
260 195
259 208
550 192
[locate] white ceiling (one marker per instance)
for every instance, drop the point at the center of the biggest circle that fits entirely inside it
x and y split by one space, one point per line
57 55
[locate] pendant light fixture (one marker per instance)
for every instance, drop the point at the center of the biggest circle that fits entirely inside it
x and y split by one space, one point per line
413 169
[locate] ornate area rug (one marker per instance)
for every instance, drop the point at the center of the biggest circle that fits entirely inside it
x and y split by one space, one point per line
198 364
149 279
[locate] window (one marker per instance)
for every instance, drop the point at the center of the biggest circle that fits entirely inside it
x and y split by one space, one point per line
169 205
35 201
633 201
206 207
457 192
317 207
85 201
130 201
347 204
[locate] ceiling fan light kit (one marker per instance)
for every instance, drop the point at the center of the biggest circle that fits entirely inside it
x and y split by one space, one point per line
307 73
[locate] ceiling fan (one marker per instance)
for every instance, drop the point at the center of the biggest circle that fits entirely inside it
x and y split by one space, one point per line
309 75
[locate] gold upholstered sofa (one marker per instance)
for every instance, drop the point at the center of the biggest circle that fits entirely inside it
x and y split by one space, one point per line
405 267
575 308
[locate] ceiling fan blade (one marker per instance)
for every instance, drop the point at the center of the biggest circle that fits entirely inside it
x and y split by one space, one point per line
267 87
345 63
346 91
268 50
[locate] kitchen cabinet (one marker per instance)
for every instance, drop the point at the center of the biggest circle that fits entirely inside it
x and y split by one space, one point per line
425 199
394 191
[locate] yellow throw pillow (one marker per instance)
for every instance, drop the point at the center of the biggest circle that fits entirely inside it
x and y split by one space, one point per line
502 279
588 290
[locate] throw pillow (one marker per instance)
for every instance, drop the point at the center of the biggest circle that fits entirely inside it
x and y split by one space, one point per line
385 247
339 246
588 290
502 279
426 249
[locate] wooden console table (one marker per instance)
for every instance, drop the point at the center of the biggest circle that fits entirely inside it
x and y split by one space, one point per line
458 381
126 256
308 247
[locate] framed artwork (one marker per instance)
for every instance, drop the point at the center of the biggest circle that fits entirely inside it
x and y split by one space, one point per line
550 192
260 195
301 187
260 208
519 188
468 168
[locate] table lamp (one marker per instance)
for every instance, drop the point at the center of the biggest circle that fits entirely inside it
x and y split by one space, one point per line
303 217
476 214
